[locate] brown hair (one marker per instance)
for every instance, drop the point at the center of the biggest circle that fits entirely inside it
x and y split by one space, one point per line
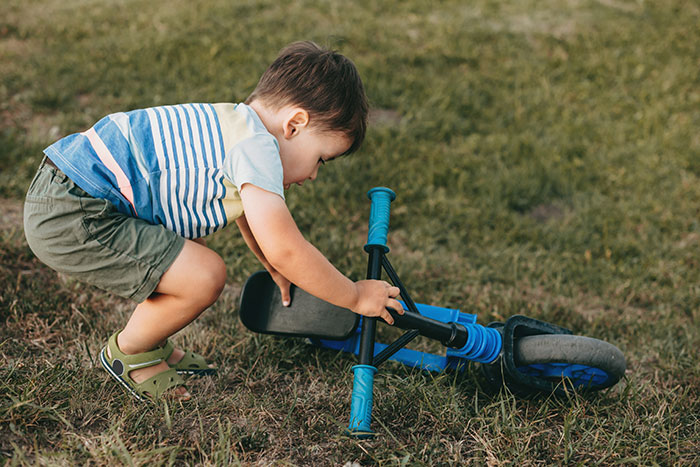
324 83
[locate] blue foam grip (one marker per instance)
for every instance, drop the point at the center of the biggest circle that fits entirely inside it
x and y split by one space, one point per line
483 344
361 405
379 216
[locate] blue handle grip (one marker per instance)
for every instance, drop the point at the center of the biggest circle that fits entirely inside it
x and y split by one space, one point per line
361 405
379 217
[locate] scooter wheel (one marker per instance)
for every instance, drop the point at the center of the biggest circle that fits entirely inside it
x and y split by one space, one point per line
582 362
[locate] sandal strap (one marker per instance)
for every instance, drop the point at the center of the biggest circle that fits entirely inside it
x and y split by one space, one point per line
193 361
135 361
190 364
168 348
155 386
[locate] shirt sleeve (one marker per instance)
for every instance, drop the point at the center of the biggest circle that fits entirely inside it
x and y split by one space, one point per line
256 160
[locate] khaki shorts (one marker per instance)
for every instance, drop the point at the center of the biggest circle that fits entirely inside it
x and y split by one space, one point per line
88 239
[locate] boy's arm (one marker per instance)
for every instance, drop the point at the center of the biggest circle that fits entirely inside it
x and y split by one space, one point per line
288 252
281 281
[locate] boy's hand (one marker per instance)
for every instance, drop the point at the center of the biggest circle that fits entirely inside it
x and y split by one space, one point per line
373 298
284 285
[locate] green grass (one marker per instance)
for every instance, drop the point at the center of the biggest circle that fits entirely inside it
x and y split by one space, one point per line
546 157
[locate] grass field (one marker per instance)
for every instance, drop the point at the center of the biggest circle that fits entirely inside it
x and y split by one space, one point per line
546 157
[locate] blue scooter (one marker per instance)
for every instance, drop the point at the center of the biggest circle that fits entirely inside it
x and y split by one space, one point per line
527 355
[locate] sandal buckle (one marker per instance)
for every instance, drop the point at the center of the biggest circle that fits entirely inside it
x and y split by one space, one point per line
118 366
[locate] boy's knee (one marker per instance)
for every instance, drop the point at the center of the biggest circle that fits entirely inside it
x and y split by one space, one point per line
197 276
212 279
218 279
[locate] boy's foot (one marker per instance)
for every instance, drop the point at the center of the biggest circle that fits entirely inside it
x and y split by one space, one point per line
133 373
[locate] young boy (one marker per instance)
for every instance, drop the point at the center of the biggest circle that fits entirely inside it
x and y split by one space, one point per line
124 206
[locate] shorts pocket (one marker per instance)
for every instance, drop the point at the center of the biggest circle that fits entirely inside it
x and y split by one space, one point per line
38 195
36 204
96 215
48 228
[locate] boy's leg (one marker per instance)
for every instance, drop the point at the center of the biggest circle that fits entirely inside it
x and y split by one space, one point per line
192 283
88 239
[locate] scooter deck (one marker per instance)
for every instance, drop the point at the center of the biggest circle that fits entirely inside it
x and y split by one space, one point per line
261 310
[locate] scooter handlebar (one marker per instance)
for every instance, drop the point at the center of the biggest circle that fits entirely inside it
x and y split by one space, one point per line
381 199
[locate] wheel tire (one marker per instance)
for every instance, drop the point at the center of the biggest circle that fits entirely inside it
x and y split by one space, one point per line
584 362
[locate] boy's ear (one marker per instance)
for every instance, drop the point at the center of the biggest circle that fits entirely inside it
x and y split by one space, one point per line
296 120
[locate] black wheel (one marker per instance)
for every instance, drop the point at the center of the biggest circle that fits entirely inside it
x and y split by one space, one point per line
584 362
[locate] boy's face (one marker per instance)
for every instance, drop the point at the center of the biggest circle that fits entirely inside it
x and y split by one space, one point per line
304 153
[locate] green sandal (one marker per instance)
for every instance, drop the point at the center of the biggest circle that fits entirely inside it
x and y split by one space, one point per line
191 364
119 365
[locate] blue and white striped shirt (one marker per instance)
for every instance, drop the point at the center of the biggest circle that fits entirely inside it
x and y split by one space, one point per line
180 166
